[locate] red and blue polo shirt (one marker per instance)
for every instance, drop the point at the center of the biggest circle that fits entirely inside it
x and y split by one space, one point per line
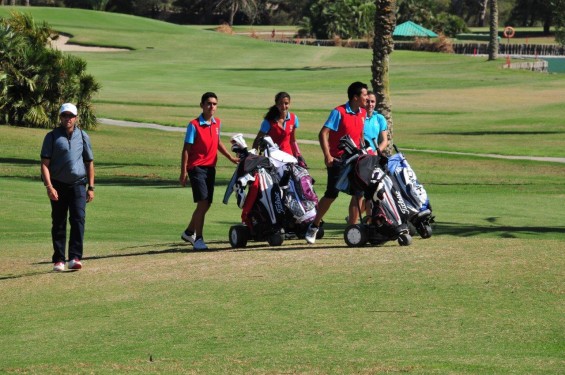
204 138
343 121
282 136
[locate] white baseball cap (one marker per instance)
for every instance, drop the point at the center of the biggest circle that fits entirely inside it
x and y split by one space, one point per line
68 107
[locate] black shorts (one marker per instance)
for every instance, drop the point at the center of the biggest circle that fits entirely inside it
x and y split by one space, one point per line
333 176
202 180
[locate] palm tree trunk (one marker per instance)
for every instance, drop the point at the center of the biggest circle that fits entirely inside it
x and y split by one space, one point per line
383 45
493 26
483 13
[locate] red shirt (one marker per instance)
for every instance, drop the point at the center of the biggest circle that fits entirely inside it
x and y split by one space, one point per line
204 138
283 137
345 122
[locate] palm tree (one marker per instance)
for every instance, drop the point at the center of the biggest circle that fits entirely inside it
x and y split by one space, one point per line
383 45
35 80
493 26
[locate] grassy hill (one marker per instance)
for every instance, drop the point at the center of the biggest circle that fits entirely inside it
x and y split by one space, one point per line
162 79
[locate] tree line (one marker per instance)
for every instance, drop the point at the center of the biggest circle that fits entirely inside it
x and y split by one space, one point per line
34 78
325 19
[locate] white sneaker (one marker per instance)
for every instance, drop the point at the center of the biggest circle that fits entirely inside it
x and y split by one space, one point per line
311 234
188 238
59 266
200 245
75 264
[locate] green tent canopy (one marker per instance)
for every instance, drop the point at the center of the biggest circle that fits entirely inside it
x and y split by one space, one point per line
410 29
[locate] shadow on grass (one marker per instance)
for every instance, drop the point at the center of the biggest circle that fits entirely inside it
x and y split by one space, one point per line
502 231
102 181
440 229
176 248
503 132
20 161
304 68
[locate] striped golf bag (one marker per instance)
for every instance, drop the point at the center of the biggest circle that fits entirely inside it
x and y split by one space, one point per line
388 217
413 193
269 190
297 184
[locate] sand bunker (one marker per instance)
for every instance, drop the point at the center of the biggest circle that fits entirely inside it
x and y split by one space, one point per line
61 45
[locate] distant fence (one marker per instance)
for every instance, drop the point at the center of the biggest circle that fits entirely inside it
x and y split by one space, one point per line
534 66
510 49
459 48
324 42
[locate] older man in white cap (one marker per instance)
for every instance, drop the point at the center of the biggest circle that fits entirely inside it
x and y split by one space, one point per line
66 168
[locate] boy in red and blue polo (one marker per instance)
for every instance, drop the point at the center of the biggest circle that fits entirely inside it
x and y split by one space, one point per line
198 163
347 119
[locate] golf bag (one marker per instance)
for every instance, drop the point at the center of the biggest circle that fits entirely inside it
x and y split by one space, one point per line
365 173
270 192
297 184
413 192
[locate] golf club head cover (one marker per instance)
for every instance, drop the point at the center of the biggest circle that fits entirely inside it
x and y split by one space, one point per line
238 140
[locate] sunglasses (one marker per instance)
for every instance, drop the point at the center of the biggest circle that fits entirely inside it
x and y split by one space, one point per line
67 115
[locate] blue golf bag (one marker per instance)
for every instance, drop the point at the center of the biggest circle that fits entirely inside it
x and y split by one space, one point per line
413 192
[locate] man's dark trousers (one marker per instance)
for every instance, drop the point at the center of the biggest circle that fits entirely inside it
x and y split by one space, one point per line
72 200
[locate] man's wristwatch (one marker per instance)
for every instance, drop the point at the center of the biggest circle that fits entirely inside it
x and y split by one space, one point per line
91 188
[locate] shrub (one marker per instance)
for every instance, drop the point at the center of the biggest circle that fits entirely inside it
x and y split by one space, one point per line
450 24
225 28
441 44
35 80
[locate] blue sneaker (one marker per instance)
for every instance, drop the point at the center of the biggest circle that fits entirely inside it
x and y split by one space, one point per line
200 245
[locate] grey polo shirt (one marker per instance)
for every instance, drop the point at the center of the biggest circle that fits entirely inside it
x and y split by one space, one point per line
67 155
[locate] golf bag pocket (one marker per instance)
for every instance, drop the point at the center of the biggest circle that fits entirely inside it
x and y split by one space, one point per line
270 196
302 210
304 184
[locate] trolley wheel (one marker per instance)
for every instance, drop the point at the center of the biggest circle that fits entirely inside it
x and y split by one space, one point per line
425 230
239 235
275 239
355 235
404 239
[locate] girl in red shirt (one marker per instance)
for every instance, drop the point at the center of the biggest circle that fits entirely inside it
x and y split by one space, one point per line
280 124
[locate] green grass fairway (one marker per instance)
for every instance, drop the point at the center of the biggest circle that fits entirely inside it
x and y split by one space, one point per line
484 295
442 102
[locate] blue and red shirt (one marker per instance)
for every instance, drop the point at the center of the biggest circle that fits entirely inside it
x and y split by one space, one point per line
203 137
374 126
343 121
282 136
